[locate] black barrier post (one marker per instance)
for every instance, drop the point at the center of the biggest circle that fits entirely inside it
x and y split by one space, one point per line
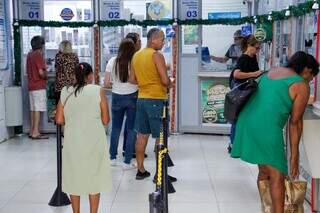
165 142
158 200
59 198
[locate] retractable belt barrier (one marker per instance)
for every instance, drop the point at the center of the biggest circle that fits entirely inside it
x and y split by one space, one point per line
158 200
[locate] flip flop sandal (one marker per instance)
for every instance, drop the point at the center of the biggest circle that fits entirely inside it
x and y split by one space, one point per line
39 137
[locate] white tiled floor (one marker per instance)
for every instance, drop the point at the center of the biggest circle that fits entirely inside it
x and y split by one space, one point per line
209 180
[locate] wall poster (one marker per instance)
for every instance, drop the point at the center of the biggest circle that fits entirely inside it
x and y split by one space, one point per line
213 92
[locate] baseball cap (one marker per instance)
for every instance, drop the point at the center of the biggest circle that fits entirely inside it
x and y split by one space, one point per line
237 34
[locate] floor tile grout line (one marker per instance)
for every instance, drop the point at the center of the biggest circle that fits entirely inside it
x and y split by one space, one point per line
118 187
23 186
211 181
15 194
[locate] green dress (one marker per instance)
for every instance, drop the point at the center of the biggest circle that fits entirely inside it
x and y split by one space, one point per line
259 130
85 160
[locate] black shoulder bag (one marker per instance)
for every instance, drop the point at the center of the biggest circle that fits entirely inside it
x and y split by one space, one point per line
238 97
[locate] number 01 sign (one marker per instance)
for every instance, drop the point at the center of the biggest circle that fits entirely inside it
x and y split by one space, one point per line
189 9
110 9
30 9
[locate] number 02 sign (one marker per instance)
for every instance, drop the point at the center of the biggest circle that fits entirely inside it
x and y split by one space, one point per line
110 10
30 9
189 9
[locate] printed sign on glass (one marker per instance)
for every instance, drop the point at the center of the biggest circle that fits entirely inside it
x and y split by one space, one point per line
110 10
246 30
30 9
66 14
189 9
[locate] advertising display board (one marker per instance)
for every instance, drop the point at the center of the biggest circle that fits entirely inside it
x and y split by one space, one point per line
213 92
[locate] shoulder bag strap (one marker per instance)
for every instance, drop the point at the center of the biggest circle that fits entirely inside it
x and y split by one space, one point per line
64 103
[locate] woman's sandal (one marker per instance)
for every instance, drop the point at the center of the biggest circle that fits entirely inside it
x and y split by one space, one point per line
39 137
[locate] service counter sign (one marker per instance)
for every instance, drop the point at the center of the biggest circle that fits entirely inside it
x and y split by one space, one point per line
189 9
110 10
213 93
30 9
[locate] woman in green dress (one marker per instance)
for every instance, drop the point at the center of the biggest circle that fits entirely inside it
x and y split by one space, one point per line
83 109
282 93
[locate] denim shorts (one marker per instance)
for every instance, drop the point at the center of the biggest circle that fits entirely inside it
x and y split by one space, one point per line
149 116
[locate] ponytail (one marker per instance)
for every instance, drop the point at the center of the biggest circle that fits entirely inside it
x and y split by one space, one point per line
82 71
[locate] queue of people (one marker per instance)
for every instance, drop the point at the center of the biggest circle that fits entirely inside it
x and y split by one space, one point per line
140 84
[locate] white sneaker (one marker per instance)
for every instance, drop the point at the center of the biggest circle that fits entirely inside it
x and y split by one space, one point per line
113 162
130 166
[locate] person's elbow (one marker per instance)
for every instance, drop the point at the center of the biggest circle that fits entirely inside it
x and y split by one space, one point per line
132 81
105 120
295 122
59 121
236 74
165 82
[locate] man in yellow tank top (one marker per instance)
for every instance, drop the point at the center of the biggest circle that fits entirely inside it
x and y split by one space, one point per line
149 71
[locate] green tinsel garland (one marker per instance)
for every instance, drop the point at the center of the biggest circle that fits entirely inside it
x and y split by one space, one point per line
295 11
31 23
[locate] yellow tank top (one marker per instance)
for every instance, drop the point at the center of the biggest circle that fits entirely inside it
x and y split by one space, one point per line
147 76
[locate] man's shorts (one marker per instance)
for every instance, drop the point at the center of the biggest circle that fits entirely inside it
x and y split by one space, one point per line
38 100
149 116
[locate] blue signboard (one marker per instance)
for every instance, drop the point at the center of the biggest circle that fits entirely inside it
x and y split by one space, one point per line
224 15
246 30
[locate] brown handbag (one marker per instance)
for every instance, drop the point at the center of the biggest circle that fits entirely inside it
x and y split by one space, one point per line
295 192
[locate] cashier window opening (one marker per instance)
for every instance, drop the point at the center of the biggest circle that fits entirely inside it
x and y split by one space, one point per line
234 51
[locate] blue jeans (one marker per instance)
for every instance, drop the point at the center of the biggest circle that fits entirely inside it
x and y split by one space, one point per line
232 133
123 105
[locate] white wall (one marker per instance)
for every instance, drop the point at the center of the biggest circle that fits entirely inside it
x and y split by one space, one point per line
218 37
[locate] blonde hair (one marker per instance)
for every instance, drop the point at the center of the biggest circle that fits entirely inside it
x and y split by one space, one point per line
248 41
65 47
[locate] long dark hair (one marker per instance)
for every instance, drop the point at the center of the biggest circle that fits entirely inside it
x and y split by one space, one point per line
133 36
82 71
125 54
301 60
249 40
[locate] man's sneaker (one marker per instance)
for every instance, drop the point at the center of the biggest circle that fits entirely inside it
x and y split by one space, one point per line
142 175
130 166
113 162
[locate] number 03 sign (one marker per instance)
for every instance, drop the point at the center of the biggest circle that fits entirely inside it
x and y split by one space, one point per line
110 10
189 9
30 9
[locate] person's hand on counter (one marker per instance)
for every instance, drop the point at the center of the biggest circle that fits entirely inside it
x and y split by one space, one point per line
171 82
219 59
168 65
256 74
